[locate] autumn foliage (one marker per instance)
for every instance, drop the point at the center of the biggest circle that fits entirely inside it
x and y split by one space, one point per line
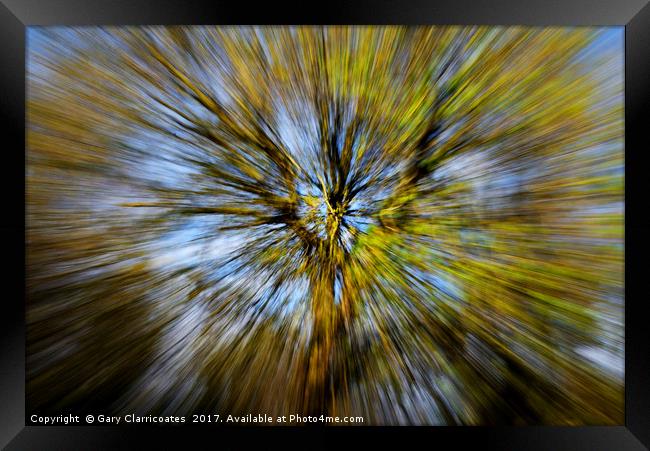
418 225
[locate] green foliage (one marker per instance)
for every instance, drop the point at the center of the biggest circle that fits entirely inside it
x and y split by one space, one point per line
413 224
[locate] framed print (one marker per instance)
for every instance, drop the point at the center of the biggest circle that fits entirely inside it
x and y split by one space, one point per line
277 225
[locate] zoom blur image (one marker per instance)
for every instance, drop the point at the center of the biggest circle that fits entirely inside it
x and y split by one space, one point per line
407 225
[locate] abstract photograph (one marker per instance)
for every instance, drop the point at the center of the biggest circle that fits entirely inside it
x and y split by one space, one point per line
398 225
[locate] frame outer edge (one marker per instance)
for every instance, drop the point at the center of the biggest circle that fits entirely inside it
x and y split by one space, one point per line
637 226
12 312
288 12
12 54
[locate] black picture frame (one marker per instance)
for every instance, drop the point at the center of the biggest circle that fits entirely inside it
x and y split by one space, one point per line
16 15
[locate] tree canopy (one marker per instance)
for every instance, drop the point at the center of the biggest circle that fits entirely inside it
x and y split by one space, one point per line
419 225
